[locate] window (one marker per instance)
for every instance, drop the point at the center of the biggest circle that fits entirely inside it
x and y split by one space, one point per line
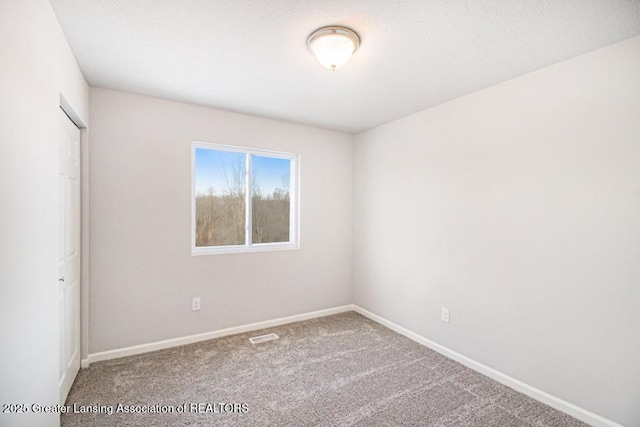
243 199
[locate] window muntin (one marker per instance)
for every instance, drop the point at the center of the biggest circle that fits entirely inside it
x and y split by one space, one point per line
223 177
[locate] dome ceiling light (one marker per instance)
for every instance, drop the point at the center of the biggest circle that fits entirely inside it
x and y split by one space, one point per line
333 46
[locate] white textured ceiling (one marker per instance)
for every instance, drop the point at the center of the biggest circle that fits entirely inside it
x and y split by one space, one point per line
251 55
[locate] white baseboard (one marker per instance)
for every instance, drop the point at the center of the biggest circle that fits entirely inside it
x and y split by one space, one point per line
557 403
175 342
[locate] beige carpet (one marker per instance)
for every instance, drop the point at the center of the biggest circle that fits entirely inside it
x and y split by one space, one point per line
341 370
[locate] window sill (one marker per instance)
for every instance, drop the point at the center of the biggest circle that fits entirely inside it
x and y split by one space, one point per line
267 247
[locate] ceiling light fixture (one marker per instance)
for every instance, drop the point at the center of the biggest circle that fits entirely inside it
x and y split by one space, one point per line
333 46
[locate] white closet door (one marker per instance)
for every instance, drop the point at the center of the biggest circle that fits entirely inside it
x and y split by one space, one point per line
69 254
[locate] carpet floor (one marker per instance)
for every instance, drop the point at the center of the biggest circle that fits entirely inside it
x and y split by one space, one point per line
341 370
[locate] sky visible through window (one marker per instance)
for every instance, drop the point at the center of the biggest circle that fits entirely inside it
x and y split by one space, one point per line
216 168
271 173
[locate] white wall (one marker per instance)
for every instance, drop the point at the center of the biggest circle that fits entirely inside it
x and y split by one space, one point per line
37 66
142 273
518 208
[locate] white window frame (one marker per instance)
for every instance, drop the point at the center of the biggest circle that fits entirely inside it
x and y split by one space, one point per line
294 220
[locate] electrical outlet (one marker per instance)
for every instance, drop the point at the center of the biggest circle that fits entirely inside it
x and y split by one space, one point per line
195 304
444 314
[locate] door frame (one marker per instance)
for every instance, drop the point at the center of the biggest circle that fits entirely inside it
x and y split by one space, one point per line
68 109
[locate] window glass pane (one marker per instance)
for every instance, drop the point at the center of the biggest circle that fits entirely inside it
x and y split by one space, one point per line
270 183
220 185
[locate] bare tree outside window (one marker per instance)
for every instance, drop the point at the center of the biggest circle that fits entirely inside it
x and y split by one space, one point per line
271 207
220 209
220 179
